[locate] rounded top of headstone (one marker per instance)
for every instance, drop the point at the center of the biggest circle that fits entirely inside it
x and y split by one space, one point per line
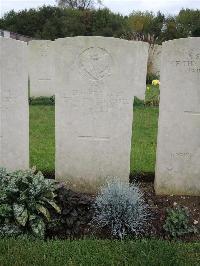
181 41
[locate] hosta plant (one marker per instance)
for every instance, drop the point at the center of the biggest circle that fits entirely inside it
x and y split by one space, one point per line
121 208
26 198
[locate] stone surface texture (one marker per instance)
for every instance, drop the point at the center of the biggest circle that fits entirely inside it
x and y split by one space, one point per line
41 68
96 79
14 109
178 150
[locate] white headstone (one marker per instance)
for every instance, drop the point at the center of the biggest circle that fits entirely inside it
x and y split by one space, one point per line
6 34
41 68
14 110
154 59
96 80
178 151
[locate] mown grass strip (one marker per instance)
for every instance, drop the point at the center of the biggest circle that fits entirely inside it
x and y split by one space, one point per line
97 252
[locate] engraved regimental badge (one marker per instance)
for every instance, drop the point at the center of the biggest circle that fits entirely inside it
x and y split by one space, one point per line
95 63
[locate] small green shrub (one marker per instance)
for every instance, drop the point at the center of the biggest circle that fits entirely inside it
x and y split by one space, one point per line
177 222
120 207
25 200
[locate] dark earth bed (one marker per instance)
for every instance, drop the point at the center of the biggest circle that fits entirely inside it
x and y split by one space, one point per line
154 229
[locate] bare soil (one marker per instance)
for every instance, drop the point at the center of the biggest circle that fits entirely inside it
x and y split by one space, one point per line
157 205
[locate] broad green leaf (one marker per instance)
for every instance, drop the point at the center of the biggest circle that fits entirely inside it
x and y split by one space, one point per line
20 214
41 209
54 205
38 227
49 195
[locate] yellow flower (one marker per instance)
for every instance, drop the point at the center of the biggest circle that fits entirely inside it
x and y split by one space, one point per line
148 88
155 82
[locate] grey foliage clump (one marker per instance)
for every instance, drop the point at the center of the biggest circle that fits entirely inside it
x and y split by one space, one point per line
120 207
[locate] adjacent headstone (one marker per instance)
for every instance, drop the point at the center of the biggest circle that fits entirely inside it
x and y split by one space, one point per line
178 151
6 34
96 80
14 110
41 68
154 60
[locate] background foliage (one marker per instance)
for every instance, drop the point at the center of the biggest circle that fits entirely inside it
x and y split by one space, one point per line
50 22
79 4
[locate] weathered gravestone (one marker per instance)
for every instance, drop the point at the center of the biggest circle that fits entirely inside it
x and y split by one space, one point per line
96 80
41 68
178 151
14 114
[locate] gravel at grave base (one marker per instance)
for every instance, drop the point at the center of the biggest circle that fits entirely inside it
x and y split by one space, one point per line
157 207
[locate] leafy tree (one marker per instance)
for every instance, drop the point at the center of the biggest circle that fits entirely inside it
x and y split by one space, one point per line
188 23
50 22
140 21
169 30
106 23
30 22
146 25
78 4
156 26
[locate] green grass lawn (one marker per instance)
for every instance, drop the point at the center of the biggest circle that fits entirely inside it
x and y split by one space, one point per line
97 252
152 95
143 154
42 136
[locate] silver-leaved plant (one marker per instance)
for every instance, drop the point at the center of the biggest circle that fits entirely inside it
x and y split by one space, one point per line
120 207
